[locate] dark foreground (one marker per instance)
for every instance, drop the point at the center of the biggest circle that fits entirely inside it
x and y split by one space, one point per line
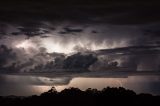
76 97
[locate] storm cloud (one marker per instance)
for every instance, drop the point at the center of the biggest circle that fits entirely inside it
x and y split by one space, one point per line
6 55
38 36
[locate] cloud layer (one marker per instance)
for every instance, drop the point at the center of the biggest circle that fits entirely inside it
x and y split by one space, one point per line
38 36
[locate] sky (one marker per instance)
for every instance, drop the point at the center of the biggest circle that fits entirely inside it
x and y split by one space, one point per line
51 35
31 85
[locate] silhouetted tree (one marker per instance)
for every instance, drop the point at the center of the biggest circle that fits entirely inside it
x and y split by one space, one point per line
89 97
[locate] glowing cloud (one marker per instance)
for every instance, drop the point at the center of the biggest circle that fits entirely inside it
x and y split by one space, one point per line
26 44
55 45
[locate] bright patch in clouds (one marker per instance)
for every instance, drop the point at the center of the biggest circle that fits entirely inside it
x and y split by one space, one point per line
53 45
61 44
26 44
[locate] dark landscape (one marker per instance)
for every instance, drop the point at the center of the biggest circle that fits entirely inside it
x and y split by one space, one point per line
74 96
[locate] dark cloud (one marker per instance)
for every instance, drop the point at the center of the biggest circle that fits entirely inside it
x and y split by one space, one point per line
68 30
79 61
55 64
94 31
6 55
73 62
105 64
127 58
2 30
31 32
44 36
135 58
132 50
